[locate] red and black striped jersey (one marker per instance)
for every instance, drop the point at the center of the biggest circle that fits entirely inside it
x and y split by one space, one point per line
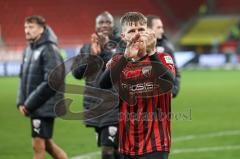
145 105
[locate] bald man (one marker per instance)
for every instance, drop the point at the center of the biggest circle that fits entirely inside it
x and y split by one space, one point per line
96 54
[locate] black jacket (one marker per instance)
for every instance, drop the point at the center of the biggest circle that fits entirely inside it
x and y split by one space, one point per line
36 90
91 73
163 45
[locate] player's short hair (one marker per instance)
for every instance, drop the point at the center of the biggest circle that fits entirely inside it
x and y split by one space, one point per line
131 18
107 14
150 18
36 19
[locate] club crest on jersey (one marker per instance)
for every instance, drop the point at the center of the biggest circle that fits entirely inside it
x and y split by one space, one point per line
168 59
146 71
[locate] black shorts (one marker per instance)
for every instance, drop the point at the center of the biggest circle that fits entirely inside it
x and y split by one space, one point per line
107 136
42 127
153 155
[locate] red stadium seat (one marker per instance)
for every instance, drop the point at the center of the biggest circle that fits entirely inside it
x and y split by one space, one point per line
73 21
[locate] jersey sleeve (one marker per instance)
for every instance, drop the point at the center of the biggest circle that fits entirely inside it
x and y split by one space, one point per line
167 61
112 62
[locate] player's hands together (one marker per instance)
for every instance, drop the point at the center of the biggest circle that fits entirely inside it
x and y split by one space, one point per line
23 110
141 44
95 47
102 39
150 41
98 42
133 47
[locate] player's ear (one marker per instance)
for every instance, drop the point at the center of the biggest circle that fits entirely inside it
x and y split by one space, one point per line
41 30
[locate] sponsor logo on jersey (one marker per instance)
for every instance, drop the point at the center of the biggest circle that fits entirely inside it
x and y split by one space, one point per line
139 88
145 71
132 73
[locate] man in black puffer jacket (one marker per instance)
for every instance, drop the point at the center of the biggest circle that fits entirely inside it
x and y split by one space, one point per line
90 64
163 45
39 88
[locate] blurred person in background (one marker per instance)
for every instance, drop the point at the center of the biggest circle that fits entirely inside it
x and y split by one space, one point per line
96 54
163 45
36 98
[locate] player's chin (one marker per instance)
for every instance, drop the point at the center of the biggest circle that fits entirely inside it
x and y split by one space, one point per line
28 37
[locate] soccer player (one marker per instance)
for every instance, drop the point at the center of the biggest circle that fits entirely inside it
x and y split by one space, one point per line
163 45
88 65
36 98
144 79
